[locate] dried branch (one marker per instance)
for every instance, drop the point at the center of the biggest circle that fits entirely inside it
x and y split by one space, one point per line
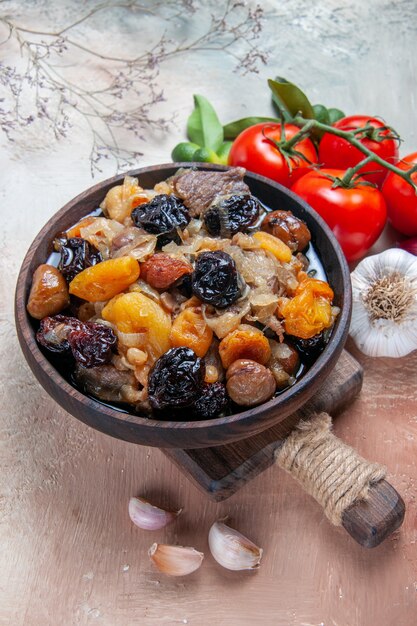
45 91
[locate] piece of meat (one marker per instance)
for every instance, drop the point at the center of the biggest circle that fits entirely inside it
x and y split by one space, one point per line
198 189
105 382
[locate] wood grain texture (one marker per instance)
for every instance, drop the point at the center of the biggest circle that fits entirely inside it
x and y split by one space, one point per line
372 520
69 555
220 471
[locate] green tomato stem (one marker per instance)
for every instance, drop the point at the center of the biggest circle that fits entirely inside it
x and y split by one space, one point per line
305 130
351 172
351 138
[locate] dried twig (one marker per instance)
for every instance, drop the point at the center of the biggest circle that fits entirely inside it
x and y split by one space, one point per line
124 107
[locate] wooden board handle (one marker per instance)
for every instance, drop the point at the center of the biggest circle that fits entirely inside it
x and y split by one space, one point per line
352 491
371 521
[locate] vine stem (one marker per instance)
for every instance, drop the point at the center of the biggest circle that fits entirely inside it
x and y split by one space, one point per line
351 172
308 125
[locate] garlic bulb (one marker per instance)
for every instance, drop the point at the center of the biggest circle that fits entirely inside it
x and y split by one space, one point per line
233 550
384 316
149 517
175 560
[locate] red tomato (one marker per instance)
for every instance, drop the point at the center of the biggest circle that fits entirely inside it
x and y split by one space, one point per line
356 215
252 150
401 198
337 153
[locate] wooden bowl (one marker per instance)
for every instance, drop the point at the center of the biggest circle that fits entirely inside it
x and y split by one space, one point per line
196 434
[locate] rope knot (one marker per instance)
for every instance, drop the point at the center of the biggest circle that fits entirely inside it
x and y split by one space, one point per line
328 469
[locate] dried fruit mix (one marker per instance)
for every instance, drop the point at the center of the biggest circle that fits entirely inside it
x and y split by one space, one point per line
187 304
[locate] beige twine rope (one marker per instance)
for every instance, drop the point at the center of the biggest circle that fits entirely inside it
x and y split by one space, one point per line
329 470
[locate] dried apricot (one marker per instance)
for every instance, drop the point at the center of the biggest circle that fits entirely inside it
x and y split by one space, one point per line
246 342
161 270
310 311
191 330
136 313
75 231
273 245
105 280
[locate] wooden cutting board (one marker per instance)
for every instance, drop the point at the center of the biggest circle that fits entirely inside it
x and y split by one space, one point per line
220 471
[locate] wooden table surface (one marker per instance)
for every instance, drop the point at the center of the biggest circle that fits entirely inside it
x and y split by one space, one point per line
69 553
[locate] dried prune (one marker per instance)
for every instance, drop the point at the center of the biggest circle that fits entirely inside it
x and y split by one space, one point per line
215 279
162 216
176 379
93 344
76 255
309 349
184 286
53 332
231 214
212 401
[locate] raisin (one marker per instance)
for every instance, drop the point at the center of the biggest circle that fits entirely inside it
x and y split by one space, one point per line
231 214
93 344
215 279
176 379
76 255
213 401
309 349
53 332
162 216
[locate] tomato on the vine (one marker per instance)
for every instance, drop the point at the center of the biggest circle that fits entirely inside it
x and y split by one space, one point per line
336 152
356 214
401 198
256 150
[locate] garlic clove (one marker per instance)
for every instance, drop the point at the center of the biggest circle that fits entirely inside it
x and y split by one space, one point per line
233 550
149 517
175 560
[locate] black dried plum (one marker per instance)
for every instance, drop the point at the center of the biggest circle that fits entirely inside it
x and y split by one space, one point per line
76 255
53 332
213 401
93 344
215 279
162 216
309 349
176 379
231 214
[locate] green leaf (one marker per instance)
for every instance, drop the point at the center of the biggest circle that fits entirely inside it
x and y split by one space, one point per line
290 99
233 129
223 152
203 127
335 115
321 114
